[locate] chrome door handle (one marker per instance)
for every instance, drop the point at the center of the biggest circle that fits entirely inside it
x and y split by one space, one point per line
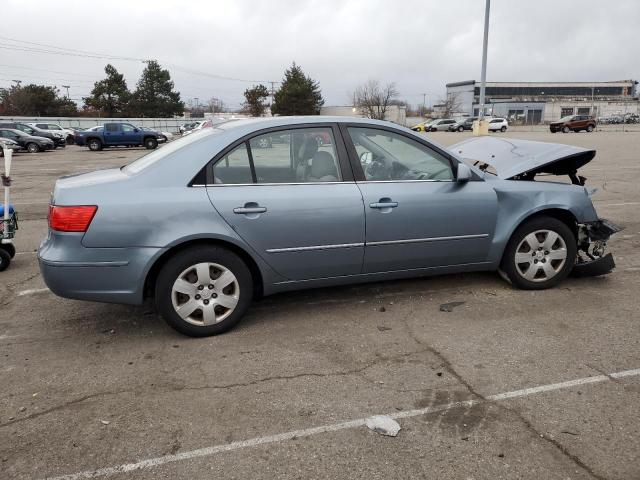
245 210
383 205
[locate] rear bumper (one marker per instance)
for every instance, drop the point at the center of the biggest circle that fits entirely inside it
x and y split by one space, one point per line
112 275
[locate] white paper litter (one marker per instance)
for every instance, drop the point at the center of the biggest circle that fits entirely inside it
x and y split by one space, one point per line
383 424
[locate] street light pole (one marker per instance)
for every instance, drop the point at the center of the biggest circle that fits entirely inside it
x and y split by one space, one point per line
67 87
483 74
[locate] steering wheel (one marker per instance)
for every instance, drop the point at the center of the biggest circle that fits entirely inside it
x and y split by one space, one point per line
380 168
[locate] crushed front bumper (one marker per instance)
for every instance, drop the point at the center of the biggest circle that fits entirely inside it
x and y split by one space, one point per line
592 241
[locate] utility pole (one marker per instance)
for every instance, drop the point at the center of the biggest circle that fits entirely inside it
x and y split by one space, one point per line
273 92
483 73
424 104
67 87
18 82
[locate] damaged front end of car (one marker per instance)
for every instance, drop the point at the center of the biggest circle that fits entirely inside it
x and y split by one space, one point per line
524 160
592 243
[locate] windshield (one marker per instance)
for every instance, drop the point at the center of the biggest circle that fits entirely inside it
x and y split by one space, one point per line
144 162
566 119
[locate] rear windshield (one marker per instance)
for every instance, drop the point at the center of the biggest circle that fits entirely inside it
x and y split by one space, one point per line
149 159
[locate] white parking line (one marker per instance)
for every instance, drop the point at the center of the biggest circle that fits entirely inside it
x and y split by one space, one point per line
32 291
307 432
616 204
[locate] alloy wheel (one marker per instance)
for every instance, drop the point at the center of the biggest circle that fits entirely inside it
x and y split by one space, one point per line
205 293
540 255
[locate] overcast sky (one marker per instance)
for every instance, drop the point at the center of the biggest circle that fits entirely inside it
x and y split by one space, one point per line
419 44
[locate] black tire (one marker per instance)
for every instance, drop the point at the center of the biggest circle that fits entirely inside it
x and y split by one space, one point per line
461 129
150 143
9 248
70 140
566 129
511 269
503 129
33 147
94 144
5 260
180 262
590 128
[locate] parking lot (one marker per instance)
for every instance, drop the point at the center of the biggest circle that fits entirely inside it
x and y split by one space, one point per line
507 384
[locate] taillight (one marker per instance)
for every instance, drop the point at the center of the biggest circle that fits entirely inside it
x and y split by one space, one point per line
72 218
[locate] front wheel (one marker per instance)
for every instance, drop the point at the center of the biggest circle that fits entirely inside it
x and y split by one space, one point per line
204 291
540 254
566 130
503 129
33 148
461 129
150 143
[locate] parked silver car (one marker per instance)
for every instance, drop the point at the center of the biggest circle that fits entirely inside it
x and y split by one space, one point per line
441 125
212 220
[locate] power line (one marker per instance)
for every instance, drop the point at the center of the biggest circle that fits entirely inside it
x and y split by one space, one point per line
45 70
89 54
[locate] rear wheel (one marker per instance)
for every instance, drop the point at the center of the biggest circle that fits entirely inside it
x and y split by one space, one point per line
503 129
94 145
204 291
9 248
540 254
150 143
461 128
33 147
590 128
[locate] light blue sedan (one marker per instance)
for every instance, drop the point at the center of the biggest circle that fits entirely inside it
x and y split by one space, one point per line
254 207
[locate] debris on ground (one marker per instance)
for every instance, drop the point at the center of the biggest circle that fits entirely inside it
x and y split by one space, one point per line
22 409
383 424
105 422
382 328
382 309
448 307
569 433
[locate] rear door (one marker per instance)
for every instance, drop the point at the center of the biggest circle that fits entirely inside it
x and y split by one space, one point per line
417 215
112 134
289 193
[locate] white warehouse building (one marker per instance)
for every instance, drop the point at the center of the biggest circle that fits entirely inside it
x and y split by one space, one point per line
544 102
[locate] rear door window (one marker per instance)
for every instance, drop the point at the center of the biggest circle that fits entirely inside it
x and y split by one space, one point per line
234 168
111 127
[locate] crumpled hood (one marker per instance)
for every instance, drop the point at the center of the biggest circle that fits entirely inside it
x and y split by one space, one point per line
511 157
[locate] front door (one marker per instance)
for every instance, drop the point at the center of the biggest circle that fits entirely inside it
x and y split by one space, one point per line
287 194
417 215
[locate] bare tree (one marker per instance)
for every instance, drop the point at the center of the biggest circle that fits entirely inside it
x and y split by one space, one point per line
373 99
216 105
451 104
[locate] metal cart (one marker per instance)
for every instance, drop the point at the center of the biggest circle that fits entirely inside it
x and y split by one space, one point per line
8 216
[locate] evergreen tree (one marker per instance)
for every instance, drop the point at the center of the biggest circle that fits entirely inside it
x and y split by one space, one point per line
298 94
154 95
255 97
110 96
35 100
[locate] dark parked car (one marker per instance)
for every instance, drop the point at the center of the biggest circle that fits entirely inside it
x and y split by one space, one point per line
114 134
57 138
212 220
27 142
573 122
462 125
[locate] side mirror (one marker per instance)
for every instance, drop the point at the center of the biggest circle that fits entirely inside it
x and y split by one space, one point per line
464 173
366 158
